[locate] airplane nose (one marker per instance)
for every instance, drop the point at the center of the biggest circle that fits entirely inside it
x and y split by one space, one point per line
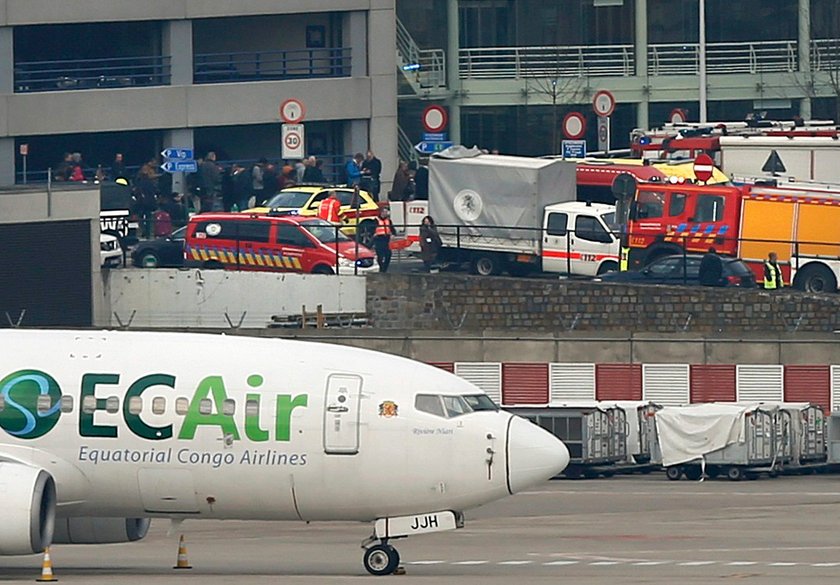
533 455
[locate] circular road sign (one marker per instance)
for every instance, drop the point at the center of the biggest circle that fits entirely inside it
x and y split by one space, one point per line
292 111
574 125
292 140
435 118
678 116
603 102
704 167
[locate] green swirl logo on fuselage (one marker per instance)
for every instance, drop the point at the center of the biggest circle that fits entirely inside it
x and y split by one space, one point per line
20 392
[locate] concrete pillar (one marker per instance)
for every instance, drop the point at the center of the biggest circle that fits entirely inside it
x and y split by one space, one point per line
453 77
179 138
804 54
381 135
7 60
7 161
641 58
178 45
354 34
355 137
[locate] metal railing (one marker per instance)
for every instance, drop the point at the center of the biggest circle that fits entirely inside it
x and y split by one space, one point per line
271 65
825 55
404 146
558 61
424 68
684 58
64 75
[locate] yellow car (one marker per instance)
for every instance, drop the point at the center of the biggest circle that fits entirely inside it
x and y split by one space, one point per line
305 200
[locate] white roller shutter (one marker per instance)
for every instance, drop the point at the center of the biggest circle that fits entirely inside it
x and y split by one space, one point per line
485 375
759 383
571 382
835 388
666 384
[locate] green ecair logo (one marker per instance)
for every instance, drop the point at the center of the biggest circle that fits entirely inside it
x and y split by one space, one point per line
22 415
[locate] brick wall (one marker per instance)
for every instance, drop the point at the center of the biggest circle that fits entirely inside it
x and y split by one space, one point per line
444 301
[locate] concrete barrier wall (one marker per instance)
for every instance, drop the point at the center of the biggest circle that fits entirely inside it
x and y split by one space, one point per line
201 299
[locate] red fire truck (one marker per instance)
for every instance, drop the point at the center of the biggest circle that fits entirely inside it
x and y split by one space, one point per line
801 223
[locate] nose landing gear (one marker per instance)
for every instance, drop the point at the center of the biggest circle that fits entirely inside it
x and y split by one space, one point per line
381 559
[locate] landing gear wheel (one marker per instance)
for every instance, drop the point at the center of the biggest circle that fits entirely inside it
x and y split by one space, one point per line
381 559
673 473
735 473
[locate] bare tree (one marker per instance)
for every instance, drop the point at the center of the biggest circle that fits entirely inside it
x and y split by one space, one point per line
558 88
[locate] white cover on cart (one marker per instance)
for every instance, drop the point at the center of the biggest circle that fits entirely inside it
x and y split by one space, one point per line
686 433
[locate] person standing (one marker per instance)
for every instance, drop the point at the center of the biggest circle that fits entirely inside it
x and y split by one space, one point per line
211 181
257 184
382 238
711 269
773 279
401 188
353 169
329 209
118 167
371 173
430 243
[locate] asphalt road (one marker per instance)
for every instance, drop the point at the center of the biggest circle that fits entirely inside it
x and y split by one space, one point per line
623 530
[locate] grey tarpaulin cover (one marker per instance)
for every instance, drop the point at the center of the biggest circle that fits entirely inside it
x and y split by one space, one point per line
477 189
686 433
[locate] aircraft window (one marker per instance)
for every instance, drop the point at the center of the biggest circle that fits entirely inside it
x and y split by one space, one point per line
89 404
44 403
112 405
429 403
135 405
252 408
66 404
182 406
229 407
205 406
481 402
158 405
455 406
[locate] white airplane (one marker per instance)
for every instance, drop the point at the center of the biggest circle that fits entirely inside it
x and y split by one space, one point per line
104 430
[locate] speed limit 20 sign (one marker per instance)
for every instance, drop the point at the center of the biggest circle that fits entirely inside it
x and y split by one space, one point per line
293 141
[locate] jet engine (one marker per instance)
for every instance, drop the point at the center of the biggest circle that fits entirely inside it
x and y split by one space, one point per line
100 530
28 500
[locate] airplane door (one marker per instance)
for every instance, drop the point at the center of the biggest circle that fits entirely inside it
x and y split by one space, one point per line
341 414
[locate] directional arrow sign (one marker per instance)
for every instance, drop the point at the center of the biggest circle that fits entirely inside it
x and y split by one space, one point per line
431 147
178 153
180 166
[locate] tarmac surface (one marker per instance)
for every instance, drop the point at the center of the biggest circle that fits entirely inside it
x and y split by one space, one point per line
623 530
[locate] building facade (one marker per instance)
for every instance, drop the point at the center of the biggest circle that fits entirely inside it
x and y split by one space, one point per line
134 77
509 70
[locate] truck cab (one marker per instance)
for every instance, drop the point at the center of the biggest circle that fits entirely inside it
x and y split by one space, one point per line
580 238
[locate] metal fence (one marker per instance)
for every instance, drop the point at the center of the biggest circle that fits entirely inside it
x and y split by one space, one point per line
64 75
271 65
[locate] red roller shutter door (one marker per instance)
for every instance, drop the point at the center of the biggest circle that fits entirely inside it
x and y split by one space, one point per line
808 384
524 383
448 366
713 383
618 382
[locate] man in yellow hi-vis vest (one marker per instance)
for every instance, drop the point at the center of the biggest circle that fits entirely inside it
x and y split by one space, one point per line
773 279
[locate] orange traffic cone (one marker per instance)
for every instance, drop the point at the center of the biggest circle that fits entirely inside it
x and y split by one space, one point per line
46 568
182 563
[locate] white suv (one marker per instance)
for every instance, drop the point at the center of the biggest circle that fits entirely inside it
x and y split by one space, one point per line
110 251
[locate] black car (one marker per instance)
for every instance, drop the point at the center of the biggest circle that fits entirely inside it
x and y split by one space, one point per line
165 252
684 270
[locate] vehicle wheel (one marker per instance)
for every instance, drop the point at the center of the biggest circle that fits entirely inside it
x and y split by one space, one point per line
735 473
148 260
381 559
486 265
321 269
816 279
693 472
674 472
365 233
213 265
607 267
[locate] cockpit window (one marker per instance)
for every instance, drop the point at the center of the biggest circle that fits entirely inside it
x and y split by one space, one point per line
455 406
429 403
480 402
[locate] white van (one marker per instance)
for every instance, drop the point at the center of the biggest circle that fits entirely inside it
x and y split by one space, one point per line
580 238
